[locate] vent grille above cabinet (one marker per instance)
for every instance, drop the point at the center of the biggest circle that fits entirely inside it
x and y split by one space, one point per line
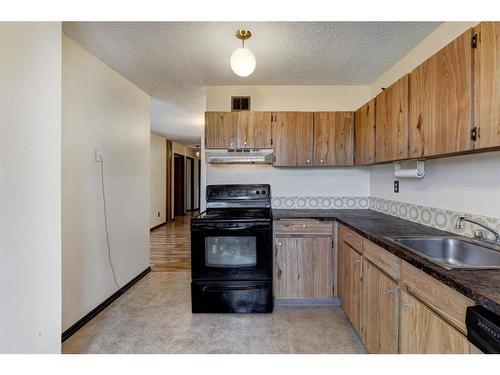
240 103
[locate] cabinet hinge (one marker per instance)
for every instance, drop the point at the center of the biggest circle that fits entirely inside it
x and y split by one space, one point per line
473 42
205 141
274 159
473 133
271 141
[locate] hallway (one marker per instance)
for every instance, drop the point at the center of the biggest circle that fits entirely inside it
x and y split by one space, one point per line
170 248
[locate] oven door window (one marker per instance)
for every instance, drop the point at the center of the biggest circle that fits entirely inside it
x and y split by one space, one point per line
231 252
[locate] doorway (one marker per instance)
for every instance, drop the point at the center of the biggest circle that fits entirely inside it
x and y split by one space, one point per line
179 177
190 183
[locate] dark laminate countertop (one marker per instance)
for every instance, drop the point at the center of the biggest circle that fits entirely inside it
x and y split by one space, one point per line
482 286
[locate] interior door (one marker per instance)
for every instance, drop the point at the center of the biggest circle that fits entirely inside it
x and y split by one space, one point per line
364 134
424 332
391 132
293 139
441 101
254 129
487 84
179 183
333 138
380 311
221 130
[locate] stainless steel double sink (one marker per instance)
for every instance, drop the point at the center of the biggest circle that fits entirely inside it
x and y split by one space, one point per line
452 252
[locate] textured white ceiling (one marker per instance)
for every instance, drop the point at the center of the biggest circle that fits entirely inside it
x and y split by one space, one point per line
174 61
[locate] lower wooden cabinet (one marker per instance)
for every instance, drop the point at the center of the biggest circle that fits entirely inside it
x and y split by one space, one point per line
379 321
349 283
422 331
303 267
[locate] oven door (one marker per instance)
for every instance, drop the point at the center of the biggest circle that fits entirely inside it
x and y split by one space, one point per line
231 251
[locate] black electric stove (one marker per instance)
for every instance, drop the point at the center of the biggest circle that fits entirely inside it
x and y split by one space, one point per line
231 251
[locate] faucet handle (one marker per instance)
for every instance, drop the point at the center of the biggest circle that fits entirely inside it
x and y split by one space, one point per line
479 235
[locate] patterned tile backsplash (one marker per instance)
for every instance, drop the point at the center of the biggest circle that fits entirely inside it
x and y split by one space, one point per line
430 216
321 202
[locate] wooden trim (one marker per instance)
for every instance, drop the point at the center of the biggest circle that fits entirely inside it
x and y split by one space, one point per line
87 318
157 226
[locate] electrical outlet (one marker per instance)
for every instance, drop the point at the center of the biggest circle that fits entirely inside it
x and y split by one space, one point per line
98 155
396 186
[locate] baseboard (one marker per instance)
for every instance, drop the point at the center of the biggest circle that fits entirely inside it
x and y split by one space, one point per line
87 318
157 226
307 302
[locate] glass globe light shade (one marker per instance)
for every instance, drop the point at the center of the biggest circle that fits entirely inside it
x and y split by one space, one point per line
243 62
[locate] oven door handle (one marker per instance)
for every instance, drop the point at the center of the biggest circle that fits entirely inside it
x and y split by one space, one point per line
229 288
228 229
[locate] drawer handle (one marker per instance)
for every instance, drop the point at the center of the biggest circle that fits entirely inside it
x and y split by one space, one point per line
349 234
390 290
280 243
357 261
304 226
405 304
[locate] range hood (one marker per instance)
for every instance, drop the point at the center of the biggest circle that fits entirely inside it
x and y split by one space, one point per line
240 156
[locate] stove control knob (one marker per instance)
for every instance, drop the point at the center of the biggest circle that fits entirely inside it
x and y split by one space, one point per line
263 192
257 192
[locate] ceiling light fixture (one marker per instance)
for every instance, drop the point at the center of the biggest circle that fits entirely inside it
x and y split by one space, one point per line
242 59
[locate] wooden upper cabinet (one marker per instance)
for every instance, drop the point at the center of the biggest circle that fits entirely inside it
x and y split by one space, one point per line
293 138
221 129
333 138
391 132
422 331
441 101
364 134
487 84
254 129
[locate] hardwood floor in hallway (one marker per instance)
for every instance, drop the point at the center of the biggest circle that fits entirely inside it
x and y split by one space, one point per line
170 249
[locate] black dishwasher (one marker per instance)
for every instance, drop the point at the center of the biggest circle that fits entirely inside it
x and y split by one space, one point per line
483 329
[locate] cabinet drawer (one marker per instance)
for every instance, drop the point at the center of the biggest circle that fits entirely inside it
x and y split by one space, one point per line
352 238
305 226
450 304
387 262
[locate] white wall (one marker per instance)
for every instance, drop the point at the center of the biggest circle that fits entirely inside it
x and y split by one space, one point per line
158 168
291 181
469 183
103 110
30 185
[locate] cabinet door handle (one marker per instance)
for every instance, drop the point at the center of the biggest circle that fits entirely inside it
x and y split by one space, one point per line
321 161
280 243
308 161
357 261
390 290
405 304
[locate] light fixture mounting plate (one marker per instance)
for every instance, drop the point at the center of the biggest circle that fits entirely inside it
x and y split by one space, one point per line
243 34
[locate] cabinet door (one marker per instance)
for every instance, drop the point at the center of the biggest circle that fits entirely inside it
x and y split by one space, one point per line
304 267
333 138
254 130
350 283
315 265
293 139
380 311
286 268
391 132
441 101
364 134
423 332
487 84
221 129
